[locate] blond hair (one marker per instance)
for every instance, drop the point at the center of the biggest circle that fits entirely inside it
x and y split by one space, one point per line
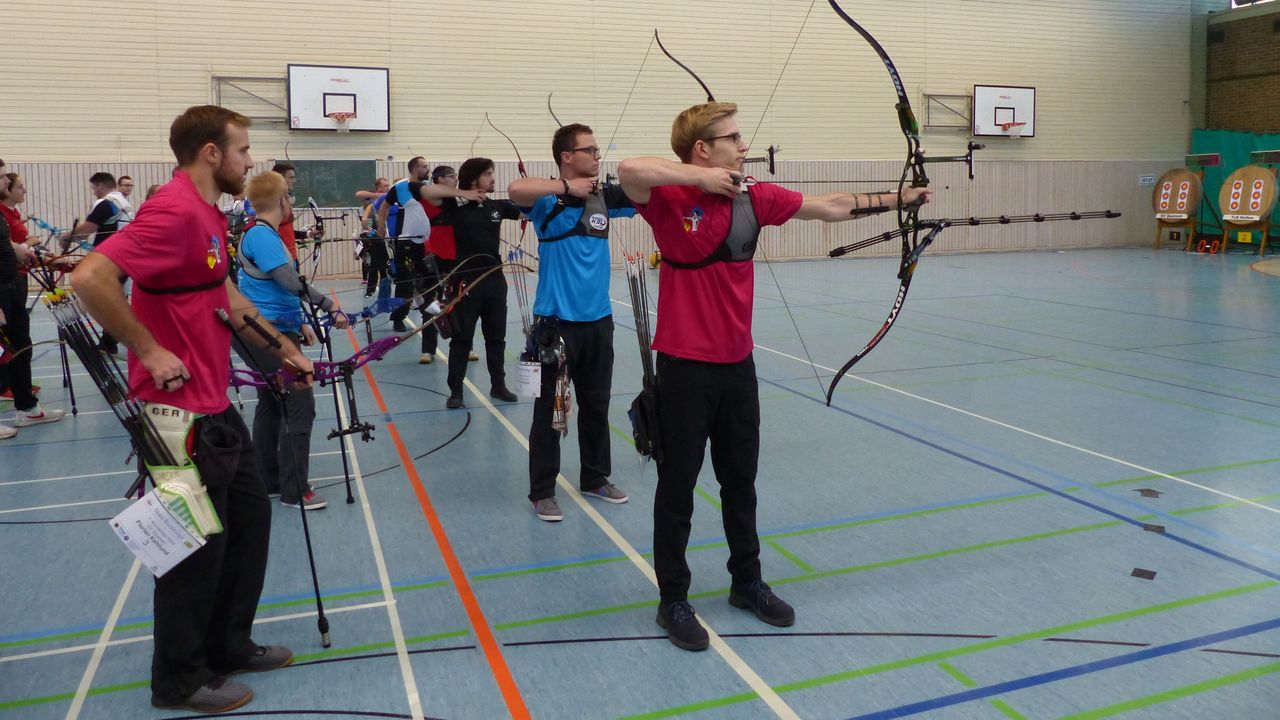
265 190
691 125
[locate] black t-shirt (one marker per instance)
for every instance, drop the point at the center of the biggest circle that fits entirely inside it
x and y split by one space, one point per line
476 230
105 215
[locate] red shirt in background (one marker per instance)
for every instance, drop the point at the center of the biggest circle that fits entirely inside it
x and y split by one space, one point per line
440 242
178 239
705 314
17 229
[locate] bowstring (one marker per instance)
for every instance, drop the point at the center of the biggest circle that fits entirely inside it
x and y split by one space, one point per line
760 246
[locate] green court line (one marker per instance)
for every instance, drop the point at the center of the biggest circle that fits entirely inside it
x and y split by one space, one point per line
715 503
1176 693
1070 375
790 556
970 683
970 649
353 650
626 437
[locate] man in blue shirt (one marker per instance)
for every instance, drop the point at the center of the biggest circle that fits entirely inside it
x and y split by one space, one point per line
410 227
269 279
571 215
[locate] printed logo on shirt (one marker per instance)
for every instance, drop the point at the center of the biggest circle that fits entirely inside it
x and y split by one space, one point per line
691 222
495 216
215 251
598 221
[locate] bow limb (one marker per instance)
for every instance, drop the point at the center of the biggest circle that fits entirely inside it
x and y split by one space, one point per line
694 75
553 112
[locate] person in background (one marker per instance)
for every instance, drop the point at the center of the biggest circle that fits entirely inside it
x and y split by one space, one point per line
402 218
281 433
15 328
374 258
101 223
123 196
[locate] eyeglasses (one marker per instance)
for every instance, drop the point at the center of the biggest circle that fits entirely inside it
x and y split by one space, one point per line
592 151
735 137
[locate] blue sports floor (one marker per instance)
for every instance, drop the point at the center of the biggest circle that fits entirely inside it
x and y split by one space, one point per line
958 533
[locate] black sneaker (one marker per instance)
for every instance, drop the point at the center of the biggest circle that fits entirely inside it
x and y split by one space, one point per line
682 626
759 598
399 326
503 394
454 402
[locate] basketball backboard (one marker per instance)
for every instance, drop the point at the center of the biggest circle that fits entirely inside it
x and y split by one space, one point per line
995 106
316 91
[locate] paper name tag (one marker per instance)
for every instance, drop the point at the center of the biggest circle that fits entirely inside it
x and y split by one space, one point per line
529 379
154 535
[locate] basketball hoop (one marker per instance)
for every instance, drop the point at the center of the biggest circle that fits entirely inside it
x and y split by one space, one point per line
1014 129
342 120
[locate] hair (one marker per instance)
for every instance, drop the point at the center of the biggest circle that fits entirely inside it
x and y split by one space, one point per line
13 180
152 191
266 189
200 125
692 124
471 171
103 178
415 162
440 171
565 138
122 178
381 181
283 167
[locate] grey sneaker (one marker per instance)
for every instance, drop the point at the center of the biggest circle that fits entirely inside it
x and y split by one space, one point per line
607 492
219 695
267 657
311 501
548 509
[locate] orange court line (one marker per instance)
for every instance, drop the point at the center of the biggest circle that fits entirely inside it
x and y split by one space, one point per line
488 643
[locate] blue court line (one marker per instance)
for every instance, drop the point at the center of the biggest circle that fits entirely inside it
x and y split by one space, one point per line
36 634
1069 672
1067 482
1038 485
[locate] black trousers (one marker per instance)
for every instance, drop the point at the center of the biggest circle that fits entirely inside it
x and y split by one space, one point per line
697 402
588 348
408 255
204 607
375 257
284 458
485 303
17 373
434 270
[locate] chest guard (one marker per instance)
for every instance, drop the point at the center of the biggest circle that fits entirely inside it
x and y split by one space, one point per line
594 221
739 243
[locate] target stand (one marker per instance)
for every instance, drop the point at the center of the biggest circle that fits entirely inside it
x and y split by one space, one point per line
1175 201
1247 200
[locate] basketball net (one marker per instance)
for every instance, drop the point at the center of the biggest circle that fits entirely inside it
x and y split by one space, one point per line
342 120
1013 128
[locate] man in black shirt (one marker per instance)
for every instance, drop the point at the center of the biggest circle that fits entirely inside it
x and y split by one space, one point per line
477 225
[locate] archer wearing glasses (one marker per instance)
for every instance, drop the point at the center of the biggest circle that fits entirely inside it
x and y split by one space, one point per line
571 215
706 220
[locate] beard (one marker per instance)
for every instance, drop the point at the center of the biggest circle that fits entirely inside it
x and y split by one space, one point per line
227 180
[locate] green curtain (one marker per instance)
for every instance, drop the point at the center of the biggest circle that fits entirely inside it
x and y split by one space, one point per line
1234 147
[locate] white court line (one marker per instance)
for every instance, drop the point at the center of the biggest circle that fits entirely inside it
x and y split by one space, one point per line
735 662
62 505
100 647
145 638
384 579
132 472
1024 431
1038 436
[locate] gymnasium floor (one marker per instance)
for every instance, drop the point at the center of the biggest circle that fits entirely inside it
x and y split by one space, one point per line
958 532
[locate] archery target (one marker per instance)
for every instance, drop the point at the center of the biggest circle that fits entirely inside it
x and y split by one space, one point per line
1176 195
1249 195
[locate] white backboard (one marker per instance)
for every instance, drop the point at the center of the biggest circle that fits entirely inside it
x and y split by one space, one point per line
995 104
316 90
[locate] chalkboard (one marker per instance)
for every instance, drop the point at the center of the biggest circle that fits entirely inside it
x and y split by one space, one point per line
333 183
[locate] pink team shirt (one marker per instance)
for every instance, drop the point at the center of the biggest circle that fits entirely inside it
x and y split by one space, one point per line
178 239
705 314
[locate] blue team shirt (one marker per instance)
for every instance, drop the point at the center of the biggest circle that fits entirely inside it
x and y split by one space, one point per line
573 273
264 248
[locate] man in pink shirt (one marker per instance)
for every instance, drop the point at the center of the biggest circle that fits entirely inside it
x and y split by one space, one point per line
706 219
175 251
